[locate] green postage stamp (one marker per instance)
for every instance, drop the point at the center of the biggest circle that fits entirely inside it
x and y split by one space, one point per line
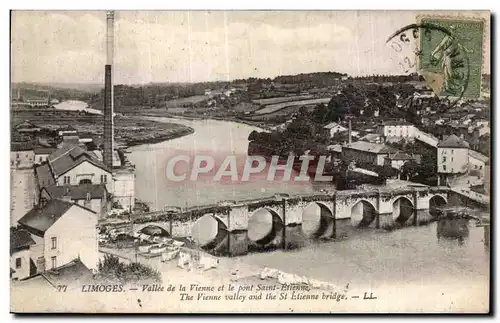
451 55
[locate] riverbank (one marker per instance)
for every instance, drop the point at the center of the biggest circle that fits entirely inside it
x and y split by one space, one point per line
129 131
163 113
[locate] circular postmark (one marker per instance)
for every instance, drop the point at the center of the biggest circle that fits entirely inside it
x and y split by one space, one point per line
434 53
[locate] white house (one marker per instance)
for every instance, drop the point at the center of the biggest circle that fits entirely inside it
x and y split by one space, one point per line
477 162
398 130
20 260
452 155
73 165
62 231
334 128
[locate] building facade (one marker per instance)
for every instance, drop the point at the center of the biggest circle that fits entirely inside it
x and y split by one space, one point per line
394 131
366 152
452 155
20 254
62 231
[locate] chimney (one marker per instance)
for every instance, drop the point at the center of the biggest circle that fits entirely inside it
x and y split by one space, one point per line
350 132
108 92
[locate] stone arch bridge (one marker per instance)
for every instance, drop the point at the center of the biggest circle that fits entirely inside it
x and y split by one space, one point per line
283 221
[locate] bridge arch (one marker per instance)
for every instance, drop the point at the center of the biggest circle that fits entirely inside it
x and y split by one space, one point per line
263 225
209 232
363 213
155 230
435 202
317 219
402 209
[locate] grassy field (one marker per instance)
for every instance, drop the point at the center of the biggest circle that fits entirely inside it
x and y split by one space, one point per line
276 107
282 112
176 103
282 99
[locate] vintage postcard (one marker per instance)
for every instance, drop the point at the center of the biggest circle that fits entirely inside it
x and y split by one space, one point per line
250 162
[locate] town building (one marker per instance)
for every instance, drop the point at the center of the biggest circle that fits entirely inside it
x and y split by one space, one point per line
397 160
452 156
73 165
21 155
42 154
91 196
21 265
477 163
27 127
397 130
335 151
333 128
366 152
62 231
66 130
372 137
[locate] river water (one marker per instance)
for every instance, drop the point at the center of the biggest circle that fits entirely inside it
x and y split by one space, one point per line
399 265
217 139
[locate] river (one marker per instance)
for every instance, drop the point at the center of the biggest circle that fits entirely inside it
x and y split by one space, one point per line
214 138
398 265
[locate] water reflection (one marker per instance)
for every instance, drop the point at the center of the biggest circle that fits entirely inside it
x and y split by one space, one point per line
453 229
459 230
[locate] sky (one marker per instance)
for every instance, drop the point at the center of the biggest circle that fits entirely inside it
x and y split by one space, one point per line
195 46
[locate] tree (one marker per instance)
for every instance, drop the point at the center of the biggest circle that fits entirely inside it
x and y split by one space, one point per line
111 269
428 166
409 170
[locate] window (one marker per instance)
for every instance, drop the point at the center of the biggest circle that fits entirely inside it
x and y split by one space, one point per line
104 178
54 262
67 180
444 167
54 242
17 155
444 159
18 263
452 151
480 167
452 159
40 159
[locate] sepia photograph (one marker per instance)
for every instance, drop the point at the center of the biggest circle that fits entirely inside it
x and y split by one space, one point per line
250 161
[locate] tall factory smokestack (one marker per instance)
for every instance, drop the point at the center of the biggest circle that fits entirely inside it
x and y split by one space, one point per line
108 92
350 132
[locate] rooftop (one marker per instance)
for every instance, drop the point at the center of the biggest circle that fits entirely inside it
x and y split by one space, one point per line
70 156
44 150
77 192
40 219
333 125
370 147
453 141
478 155
19 239
400 156
397 123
